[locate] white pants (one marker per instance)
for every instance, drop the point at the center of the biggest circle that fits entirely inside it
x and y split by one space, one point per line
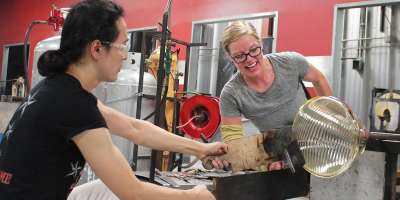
95 190
300 198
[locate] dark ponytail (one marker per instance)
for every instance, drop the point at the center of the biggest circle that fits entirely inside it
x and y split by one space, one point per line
52 62
87 21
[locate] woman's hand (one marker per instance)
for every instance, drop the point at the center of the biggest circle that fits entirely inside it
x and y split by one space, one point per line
244 153
210 155
220 164
278 165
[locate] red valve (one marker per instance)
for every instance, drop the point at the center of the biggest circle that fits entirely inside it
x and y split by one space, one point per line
200 115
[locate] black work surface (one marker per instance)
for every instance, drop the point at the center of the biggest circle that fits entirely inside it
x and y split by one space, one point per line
388 146
274 185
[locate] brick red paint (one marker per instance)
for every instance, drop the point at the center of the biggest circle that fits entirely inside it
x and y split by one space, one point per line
304 25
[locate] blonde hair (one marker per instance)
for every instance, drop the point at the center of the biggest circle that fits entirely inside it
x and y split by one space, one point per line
235 30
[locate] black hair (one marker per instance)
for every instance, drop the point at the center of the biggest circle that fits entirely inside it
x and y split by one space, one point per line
87 21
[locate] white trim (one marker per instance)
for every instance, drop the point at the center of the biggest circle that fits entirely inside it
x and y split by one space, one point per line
143 29
14 44
336 51
236 17
275 32
366 4
5 62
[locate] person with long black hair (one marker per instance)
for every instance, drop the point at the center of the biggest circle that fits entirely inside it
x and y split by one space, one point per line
61 125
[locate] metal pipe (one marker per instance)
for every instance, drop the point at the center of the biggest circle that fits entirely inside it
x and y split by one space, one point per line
348 58
366 67
187 60
393 53
160 82
362 33
358 39
26 51
175 119
139 97
390 176
186 73
342 71
384 136
371 47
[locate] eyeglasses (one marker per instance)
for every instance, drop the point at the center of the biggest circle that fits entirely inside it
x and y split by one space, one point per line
122 47
253 52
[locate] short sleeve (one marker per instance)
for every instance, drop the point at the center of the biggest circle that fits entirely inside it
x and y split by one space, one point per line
229 106
80 114
300 62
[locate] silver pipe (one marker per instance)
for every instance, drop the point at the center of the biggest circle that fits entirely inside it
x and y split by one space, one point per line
392 51
342 70
362 34
358 39
348 58
367 72
384 136
375 46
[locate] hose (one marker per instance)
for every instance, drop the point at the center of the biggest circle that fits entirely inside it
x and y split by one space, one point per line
27 33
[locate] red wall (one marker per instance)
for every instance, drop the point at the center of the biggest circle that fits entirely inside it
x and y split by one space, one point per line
304 26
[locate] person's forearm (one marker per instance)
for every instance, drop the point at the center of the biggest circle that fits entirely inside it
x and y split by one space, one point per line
318 80
322 87
151 191
154 137
113 169
144 133
231 132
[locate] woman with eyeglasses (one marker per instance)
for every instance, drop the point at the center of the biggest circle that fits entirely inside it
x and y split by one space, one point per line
265 89
61 125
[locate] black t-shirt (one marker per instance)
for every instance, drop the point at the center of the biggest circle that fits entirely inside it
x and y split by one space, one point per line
38 159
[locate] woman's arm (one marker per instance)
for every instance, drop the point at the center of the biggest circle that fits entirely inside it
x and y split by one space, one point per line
111 167
231 120
147 134
231 128
319 81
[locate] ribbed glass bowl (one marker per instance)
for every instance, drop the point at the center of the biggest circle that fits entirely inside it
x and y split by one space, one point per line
329 136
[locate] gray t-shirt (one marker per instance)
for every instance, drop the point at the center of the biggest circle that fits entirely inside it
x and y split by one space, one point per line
274 108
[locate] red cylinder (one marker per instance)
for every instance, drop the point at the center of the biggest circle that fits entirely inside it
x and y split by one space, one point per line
200 115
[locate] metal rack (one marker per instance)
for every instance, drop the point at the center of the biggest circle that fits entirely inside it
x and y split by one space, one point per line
164 37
